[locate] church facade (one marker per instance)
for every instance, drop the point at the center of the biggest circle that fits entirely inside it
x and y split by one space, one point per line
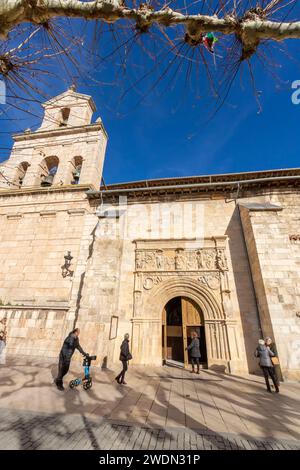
157 259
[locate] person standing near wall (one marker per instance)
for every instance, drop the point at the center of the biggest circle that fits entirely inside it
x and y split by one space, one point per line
275 361
264 354
70 344
125 356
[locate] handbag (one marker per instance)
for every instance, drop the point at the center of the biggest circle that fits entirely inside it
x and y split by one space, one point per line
129 356
275 361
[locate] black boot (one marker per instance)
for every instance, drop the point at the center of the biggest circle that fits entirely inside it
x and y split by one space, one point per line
59 385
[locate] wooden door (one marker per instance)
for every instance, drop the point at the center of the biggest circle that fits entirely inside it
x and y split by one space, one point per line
191 316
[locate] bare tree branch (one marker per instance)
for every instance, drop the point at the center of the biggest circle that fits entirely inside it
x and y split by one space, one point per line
252 27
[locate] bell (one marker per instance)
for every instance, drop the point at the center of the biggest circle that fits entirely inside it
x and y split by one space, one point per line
47 181
77 171
76 175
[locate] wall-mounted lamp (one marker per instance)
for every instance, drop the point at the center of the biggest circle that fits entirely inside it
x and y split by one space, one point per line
65 269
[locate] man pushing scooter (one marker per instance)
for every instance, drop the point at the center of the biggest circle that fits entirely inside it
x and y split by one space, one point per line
70 344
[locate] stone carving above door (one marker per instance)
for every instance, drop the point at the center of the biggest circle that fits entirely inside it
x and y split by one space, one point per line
181 259
146 281
210 280
151 281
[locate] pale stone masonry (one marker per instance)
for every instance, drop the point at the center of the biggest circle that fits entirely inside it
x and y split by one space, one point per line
275 264
228 244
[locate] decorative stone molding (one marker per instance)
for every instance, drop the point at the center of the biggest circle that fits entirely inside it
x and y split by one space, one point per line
165 269
14 216
149 282
76 211
212 281
161 261
145 281
45 214
181 259
60 131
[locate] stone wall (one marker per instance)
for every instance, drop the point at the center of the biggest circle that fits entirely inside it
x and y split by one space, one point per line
34 330
109 278
109 294
272 237
36 231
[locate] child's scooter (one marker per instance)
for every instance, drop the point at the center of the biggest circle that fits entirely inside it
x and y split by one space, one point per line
86 381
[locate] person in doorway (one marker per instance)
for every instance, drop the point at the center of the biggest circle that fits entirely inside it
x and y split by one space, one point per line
70 344
194 348
125 356
264 354
270 343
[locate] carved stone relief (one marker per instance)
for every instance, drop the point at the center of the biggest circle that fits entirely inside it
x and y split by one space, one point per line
210 280
207 266
227 306
221 260
149 282
181 259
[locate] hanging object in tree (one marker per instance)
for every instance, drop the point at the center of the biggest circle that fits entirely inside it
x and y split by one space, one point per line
209 41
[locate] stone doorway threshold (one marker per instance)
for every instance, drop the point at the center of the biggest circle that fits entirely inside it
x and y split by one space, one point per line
172 363
180 365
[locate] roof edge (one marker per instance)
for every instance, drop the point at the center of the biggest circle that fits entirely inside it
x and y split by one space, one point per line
213 178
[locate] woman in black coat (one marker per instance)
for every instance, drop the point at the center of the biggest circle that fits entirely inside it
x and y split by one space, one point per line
125 356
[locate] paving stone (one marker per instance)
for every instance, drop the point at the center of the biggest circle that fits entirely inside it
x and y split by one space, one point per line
28 429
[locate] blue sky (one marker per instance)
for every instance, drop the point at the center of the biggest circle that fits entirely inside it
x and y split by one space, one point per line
170 133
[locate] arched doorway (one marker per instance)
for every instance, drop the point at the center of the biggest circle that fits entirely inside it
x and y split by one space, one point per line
181 316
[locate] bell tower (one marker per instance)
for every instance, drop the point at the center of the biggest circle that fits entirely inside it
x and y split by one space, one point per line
67 149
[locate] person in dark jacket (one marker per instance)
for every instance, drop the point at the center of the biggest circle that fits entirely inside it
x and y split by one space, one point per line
269 342
70 344
125 356
264 354
194 349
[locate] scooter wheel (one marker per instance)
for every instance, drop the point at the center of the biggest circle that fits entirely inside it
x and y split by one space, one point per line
87 385
72 384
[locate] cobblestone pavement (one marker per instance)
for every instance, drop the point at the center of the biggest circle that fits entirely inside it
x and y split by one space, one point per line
160 408
29 431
